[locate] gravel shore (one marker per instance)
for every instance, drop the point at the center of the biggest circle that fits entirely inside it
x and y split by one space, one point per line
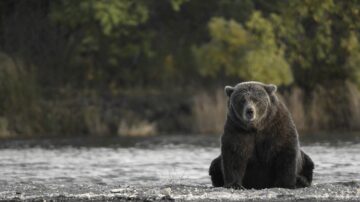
344 191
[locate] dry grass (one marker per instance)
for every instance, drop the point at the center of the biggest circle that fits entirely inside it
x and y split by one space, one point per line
354 105
4 132
324 109
18 96
94 122
139 128
334 108
294 100
24 111
209 112
317 114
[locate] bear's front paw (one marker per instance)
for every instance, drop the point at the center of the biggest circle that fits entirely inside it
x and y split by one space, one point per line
234 186
285 185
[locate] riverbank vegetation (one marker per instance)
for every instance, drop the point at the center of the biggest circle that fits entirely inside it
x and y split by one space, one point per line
148 67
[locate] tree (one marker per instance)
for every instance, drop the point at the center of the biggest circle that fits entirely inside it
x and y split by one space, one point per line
320 39
249 52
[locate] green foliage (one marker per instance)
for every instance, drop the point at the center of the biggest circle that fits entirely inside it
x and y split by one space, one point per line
352 46
107 46
250 53
314 33
118 43
106 37
112 16
176 4
117 39
18 96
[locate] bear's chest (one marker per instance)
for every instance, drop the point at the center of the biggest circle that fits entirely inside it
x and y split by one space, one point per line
265 150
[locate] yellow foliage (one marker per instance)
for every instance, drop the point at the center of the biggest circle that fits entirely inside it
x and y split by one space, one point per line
250 52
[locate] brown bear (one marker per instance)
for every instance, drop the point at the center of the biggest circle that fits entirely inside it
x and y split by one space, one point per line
260 145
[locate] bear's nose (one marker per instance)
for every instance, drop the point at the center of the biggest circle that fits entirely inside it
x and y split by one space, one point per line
249 113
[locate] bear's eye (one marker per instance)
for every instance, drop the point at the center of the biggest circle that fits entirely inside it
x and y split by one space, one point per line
240 100
259 94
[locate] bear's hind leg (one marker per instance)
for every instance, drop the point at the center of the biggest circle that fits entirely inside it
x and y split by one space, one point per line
301 182
216 173
305 176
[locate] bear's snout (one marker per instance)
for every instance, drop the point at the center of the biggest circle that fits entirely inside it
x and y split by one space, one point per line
249 113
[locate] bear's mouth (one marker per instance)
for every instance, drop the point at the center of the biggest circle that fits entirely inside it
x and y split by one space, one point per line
249 114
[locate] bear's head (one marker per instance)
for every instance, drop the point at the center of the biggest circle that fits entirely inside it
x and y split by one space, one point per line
250 103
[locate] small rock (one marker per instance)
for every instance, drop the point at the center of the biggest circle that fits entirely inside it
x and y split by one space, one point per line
166 191
117 190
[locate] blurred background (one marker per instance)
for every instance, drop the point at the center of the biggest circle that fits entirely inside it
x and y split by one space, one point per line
147 67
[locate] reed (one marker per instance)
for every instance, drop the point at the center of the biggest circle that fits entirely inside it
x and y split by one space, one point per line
209 112
354 104
294 100
139 128
323 109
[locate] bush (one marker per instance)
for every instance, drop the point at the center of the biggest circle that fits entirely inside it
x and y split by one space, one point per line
18 97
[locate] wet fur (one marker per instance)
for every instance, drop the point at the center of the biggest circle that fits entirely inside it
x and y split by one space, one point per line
267 155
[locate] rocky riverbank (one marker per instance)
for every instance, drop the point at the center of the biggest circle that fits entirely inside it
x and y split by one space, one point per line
342 191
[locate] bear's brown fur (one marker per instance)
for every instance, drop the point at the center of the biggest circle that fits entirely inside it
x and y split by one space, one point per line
260 146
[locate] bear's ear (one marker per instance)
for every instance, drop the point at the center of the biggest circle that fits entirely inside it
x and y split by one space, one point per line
229 90
270 88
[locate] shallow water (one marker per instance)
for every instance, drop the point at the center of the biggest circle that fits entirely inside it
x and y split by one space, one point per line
49 167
